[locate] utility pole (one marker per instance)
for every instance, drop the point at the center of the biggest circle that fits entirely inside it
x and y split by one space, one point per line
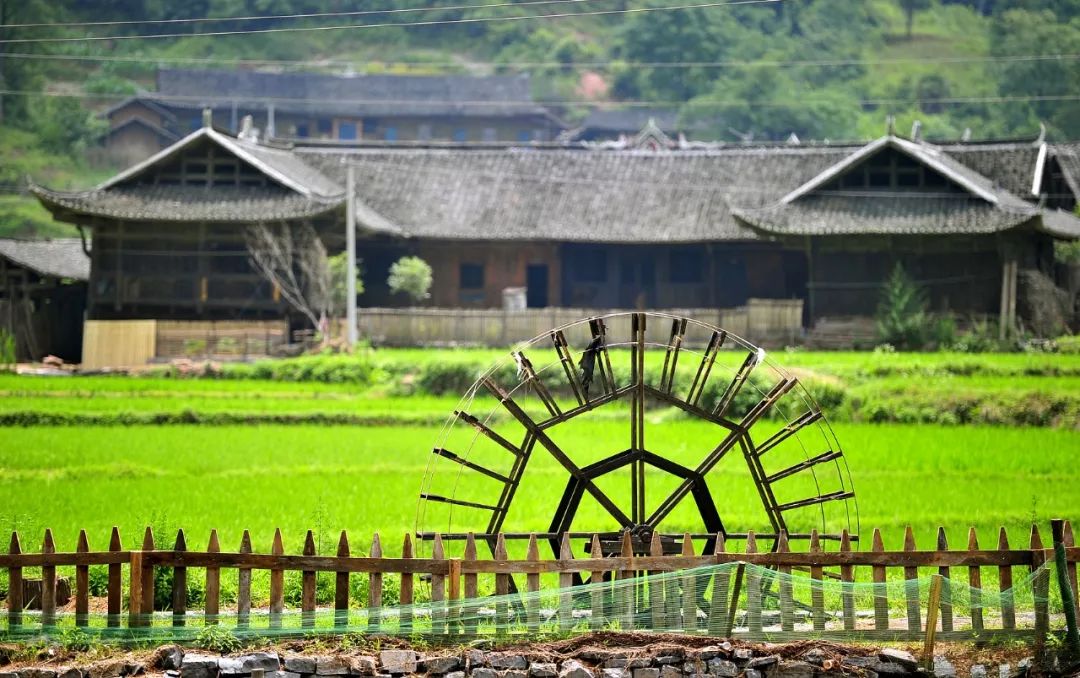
350 247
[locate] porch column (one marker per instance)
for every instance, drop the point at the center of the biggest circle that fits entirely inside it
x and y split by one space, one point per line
1007 311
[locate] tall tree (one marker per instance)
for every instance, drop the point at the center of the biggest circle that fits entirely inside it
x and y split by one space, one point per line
910 7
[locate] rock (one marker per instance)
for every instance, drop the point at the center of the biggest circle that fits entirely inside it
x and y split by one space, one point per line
398 661
751 673
978 671
134 669
943 668
507 661
283 674
231 666
625 662
543 670
793 669
572 668
331 666
664 660
267 661
905 659
743 654
669 671
169 657
722 667
515 673
363 665
193 666
1004 670
646 673
442 664
456 674
762 662
37 673
69 672
707 653
172 673
614 673
300 664
482 672
815 656
474 658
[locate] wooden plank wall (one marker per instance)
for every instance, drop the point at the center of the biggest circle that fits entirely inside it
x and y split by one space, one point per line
118 343
665 607
765 321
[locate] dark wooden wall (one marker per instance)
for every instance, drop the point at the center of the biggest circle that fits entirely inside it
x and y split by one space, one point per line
961 274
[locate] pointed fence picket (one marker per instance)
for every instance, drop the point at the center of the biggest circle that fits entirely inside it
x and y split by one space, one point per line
730 600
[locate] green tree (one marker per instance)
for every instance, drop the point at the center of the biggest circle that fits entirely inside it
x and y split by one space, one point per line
910 7
412 276
339 279
901 312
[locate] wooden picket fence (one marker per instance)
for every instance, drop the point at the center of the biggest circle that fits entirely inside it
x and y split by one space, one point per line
454 583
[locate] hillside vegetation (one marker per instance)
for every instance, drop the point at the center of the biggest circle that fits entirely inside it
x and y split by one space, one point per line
819 69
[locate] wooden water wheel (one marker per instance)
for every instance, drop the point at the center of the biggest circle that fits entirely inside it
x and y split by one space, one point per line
646 422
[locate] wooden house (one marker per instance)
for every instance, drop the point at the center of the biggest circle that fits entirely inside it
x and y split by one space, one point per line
43 285
587 225
317 107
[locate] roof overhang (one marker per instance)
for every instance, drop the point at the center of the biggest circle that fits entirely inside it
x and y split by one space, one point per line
918 152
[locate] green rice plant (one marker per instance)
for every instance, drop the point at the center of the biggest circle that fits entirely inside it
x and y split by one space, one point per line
7 351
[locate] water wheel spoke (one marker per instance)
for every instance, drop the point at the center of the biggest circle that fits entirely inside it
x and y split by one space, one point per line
603 362
562 349
447 454
527 375
801 466
671 356
787 431
457 502
637 418
541 437
697 387
482 428
684 488
813 501
749 363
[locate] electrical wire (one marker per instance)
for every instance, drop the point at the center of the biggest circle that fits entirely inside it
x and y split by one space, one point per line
440 22
277 17
328 63
694 103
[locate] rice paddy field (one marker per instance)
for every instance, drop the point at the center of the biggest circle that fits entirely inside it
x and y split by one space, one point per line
257 454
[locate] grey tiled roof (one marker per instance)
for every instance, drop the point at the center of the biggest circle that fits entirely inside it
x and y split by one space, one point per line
60 258
355 95
623 196
874 214
186 203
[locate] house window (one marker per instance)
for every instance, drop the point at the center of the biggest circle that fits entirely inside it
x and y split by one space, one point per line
346 130
524 135
471 276
489 134
460 135
302 131
390 134
324 126
423 132
371 126
686 266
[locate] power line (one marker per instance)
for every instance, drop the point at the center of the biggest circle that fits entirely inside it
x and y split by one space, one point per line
441 22
275 17
324 63
197 100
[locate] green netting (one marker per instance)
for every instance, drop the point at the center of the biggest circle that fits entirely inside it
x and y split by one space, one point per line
731 599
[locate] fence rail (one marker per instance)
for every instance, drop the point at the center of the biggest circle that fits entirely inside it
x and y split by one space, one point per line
678 602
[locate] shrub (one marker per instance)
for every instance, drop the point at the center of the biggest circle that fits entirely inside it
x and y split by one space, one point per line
411 275
217 639
7 351
901 312
1068 344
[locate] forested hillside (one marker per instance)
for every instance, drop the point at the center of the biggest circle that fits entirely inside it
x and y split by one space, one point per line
763 69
